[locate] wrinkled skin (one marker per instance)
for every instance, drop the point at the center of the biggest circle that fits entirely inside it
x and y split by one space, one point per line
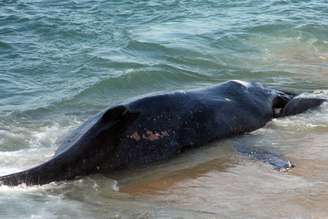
157 128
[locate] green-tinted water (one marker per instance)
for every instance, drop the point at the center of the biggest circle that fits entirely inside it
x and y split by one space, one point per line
62 61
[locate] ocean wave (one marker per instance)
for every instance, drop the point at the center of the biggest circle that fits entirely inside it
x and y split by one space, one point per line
4 45
17 134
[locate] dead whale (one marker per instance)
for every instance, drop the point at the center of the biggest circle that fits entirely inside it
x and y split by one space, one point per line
157 128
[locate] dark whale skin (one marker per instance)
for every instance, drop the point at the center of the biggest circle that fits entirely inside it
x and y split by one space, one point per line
157 128
301 105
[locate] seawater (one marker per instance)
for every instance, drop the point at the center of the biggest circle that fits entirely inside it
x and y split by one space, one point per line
63 61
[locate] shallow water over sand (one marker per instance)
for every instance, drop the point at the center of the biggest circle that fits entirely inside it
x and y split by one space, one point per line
61 62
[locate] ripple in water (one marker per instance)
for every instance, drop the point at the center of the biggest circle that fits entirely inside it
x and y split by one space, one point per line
61 62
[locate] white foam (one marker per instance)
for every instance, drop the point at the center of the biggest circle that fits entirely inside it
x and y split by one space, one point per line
28 188
14 161
315 94
29 146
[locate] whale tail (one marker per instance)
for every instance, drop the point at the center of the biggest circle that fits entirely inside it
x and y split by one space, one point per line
87 153
39 175
57 168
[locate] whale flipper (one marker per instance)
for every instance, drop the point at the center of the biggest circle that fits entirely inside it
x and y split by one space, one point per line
265 156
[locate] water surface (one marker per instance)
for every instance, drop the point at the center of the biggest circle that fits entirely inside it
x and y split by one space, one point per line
63 61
